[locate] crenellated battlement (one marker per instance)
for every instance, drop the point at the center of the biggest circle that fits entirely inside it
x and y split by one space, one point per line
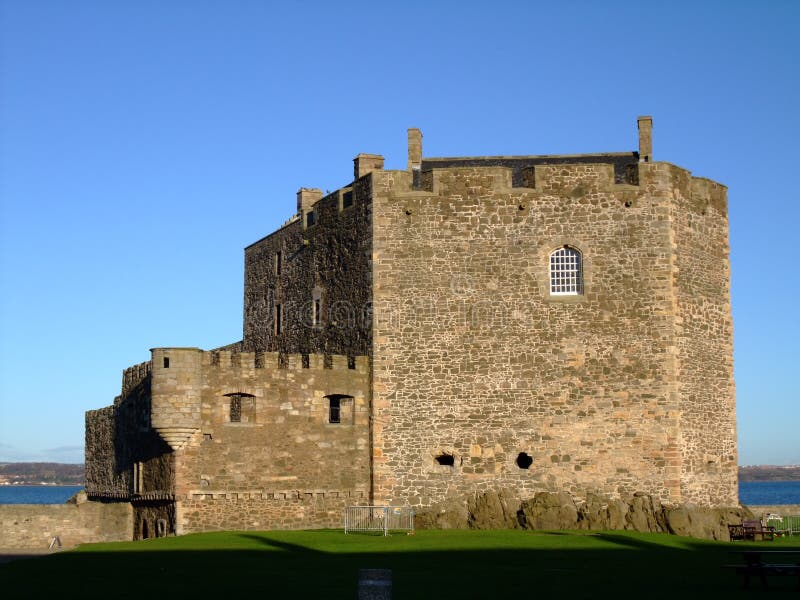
133 376
291 362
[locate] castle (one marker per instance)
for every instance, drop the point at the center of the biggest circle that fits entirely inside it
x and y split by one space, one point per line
532 323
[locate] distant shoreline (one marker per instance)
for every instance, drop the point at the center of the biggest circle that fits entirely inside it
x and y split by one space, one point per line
47 485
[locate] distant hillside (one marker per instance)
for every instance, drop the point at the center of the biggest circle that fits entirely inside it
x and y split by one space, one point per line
41 473
769 473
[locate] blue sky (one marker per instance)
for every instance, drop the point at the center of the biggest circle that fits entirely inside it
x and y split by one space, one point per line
144 144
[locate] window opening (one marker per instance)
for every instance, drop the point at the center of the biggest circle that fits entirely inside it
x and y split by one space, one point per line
311 218
446 460
351 362
335 410
236 408
305 360
278 262
166 362
340 409
524 461
347 199
138 477
566 275
317 312
241 408
278 318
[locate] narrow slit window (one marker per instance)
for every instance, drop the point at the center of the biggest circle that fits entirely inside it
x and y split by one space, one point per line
566 272
317 312
278 318
236 408
278 262
335 410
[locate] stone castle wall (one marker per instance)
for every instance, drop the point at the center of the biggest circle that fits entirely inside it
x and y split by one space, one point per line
35 525
282 448
255 510
120 437
474 358
704 335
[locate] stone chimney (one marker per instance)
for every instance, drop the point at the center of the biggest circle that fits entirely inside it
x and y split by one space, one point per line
306 197
645 139
414 148
366 163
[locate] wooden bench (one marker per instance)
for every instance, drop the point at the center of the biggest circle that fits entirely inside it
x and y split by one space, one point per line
756 565
752 531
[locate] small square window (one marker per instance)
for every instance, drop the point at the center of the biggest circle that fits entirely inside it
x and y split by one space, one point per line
340 409
347 199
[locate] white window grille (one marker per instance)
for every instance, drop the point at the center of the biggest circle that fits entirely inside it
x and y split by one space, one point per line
566 272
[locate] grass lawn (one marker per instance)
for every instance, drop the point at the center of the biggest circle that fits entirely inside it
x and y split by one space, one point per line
431 564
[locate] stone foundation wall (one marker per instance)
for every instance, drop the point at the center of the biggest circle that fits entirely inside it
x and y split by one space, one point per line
550 511
257 511
35 525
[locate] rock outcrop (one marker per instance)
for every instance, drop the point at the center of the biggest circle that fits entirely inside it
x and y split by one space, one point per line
559 511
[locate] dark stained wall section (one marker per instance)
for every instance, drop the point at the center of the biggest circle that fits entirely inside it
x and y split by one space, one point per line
328 261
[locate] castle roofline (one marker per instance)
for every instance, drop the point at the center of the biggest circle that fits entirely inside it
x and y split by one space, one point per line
531 156
294 218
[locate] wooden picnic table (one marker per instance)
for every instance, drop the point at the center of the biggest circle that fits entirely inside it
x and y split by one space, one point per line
761 563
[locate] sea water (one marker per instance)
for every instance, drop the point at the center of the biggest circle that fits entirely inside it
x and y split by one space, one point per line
37 494
769 492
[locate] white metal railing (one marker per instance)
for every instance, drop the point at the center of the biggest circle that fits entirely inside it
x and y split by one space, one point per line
378 518
786 525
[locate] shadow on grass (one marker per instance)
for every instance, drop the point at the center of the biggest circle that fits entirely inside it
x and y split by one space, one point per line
431 565
266 540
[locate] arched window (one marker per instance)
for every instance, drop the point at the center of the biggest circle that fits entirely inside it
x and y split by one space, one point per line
566 272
